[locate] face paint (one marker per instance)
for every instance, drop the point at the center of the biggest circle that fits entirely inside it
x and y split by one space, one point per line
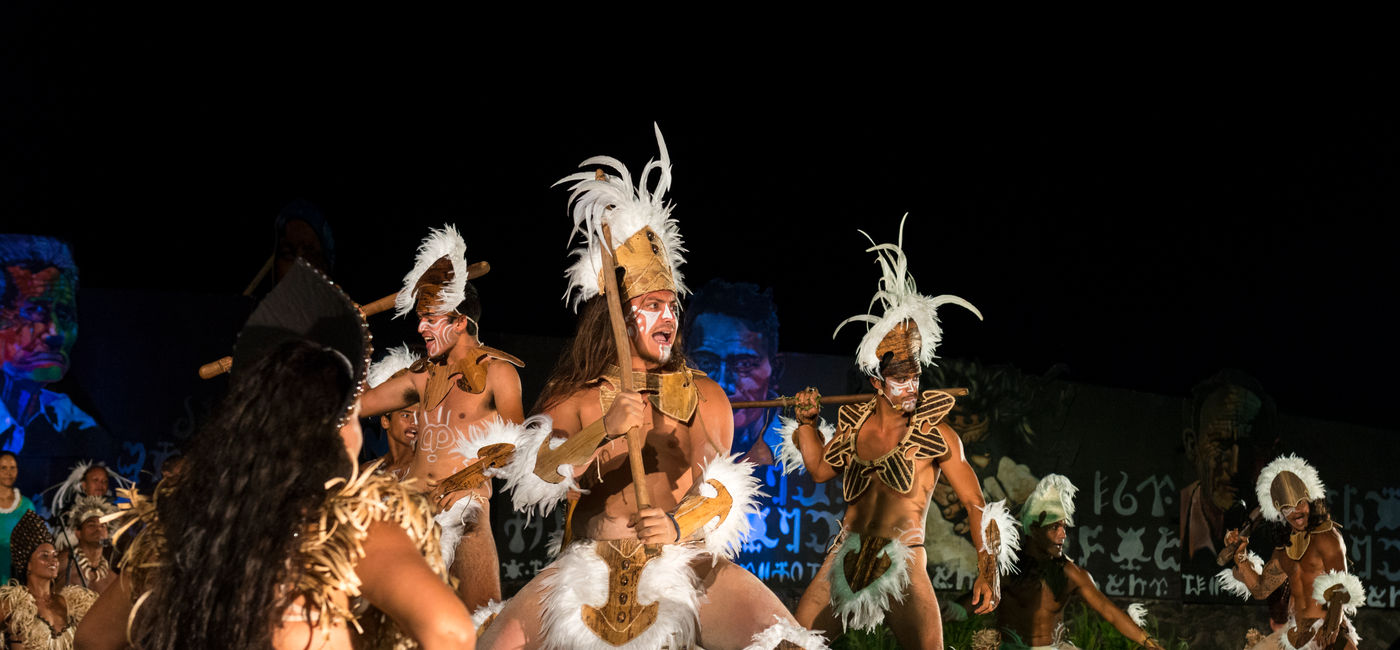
438 333
653 325
903 394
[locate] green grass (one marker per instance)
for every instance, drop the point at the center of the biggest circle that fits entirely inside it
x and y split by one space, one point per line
1086 629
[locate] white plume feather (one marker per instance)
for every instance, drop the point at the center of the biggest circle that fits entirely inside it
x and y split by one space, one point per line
1231 585
726 536
454 523
1138 612
491 608
69 489
1005 552
1351 583
438 244
789 457
780 631
865 609
627 210
1295 465
395 360
901 301
528 492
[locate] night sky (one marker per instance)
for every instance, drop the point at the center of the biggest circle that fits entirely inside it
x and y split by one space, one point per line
1144 238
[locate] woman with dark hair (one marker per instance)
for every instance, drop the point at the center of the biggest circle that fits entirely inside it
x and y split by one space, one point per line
270 537
13 505
35 615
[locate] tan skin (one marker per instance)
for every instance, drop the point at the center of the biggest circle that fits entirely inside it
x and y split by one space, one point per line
737 605
43 570
1030 608
90 536
402 429
394 578
1326 552
885 512
9 473
476 566
95 481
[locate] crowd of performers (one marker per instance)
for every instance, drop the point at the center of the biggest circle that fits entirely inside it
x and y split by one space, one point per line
271 536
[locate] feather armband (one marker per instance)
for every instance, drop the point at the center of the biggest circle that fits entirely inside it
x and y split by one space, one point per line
1339 586
789 456
528 492
720 508
1000 538
1228 583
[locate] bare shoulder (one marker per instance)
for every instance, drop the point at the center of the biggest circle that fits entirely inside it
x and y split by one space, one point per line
952 440
710 393
1329 543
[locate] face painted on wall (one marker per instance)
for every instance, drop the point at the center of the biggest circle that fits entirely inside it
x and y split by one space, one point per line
900 390
39 324
652 326
1225 421
729 352
440 332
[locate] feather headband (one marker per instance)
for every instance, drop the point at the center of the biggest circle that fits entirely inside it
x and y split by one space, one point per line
902 302
1053 496
635 216
439 244
1292 464
70 489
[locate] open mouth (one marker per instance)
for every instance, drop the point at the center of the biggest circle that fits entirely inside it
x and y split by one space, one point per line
410 435
662 338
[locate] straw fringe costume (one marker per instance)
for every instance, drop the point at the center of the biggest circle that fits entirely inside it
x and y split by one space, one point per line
327 555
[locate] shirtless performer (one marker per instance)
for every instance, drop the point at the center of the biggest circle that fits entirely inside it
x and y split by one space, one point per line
631 577
876 563
1034 600
1323 596
460 386
401 426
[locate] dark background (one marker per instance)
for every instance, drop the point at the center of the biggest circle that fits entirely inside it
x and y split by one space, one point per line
1143 232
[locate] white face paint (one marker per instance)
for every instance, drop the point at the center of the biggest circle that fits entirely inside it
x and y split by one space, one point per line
653 326
903 394
438 333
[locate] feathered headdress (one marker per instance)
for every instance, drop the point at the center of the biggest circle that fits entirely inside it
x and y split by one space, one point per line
86 507
397 359
70 489
646 241
909 321
438 281
1053 497
1284 482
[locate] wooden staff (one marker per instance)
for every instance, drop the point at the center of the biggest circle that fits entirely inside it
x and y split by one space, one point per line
215 368
833 400
624 360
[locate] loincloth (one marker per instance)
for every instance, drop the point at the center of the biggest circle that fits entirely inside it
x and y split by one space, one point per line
1348 631
866 574
611 594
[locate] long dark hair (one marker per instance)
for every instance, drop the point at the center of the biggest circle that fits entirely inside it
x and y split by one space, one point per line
254 480
588 354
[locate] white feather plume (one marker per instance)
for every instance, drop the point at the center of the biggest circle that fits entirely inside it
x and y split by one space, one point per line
1298 467
901 301
789 457
1054 486
1229 584
484 433
1351 583
1138 612
491 608
438 244
454 522
725 535
529 493
865 609
781 631
580 578
1005 552
71 488
626 209
395 360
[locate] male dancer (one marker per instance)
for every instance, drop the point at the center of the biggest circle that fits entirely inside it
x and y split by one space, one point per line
635 575
1035 598
458 386
890 452
1313 562
401 426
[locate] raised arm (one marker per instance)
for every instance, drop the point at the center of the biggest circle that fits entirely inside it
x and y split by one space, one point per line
807 435
395 393
1110 612
396 579
1251 575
